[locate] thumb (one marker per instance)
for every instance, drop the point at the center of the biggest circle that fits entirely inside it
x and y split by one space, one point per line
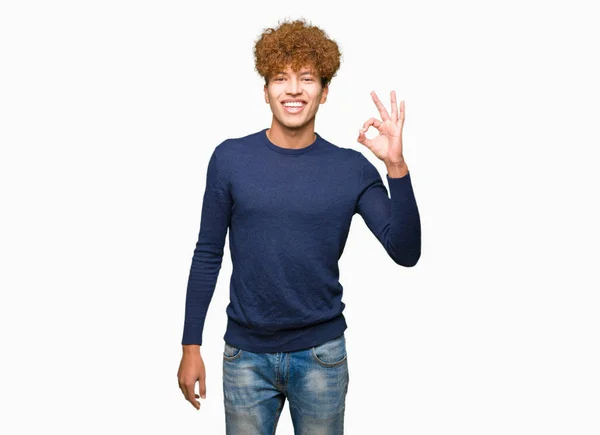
203 388
362 138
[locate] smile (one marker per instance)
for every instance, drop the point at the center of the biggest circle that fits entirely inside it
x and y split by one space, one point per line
293 107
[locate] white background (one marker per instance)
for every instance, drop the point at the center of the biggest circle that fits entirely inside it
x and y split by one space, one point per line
109 112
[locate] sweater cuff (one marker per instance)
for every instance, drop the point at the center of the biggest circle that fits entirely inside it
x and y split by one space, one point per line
192 335
400 187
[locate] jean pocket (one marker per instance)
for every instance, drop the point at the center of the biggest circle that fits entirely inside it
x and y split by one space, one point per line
331 353
231 352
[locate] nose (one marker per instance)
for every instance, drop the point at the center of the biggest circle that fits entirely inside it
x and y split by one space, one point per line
293 87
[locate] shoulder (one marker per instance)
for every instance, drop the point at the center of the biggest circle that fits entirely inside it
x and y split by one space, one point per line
342 152
231 147
354 161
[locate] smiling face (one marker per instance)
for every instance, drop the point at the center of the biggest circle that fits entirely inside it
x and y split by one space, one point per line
295 96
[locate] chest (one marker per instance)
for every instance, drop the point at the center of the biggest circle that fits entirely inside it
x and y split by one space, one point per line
297 193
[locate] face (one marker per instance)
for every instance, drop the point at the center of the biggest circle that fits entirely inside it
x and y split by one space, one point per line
303 87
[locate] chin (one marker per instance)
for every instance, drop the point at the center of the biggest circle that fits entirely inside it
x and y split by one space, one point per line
296 126
291 124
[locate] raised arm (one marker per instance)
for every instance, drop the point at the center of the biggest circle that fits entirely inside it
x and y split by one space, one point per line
394 221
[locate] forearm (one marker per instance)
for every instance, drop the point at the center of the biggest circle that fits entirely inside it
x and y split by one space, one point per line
204 273
405 223
393 220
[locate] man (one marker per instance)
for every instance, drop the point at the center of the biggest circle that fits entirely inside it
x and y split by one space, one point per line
287 197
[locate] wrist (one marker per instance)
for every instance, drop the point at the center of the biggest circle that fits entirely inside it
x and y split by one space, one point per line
396 169
191 348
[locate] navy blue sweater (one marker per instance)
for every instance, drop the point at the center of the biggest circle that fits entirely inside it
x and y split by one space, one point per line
288 212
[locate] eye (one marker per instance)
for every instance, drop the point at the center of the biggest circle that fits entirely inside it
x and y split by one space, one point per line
308 79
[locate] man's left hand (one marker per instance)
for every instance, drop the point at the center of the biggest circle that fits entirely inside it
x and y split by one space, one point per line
387 146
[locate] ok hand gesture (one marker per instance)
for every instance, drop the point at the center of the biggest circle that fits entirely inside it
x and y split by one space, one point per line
387 146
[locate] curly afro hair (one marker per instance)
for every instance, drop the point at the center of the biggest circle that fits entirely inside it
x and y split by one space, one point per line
297 44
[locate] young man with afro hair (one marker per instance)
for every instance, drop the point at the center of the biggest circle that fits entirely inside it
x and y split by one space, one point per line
287 197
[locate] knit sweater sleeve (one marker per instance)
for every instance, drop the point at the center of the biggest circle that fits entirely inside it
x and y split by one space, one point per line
208 254
394 221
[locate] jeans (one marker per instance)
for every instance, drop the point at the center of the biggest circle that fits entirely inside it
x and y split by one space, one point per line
314 380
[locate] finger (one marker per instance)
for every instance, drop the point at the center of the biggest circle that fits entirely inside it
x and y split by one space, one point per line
203 388
189 395
362 138
402 112
371 122
384 114
394 107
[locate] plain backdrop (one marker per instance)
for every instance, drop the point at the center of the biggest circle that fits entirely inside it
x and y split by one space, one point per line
109 111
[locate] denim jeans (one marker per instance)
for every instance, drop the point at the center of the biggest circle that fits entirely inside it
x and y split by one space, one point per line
314 381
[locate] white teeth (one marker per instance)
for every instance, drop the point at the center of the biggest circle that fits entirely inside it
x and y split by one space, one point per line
294 104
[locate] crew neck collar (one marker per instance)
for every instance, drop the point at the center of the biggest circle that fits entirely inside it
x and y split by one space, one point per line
292 151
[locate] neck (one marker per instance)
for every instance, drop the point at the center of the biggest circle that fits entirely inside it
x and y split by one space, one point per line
295 138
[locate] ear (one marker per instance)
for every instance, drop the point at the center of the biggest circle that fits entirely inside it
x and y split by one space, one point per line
266 94
324 94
